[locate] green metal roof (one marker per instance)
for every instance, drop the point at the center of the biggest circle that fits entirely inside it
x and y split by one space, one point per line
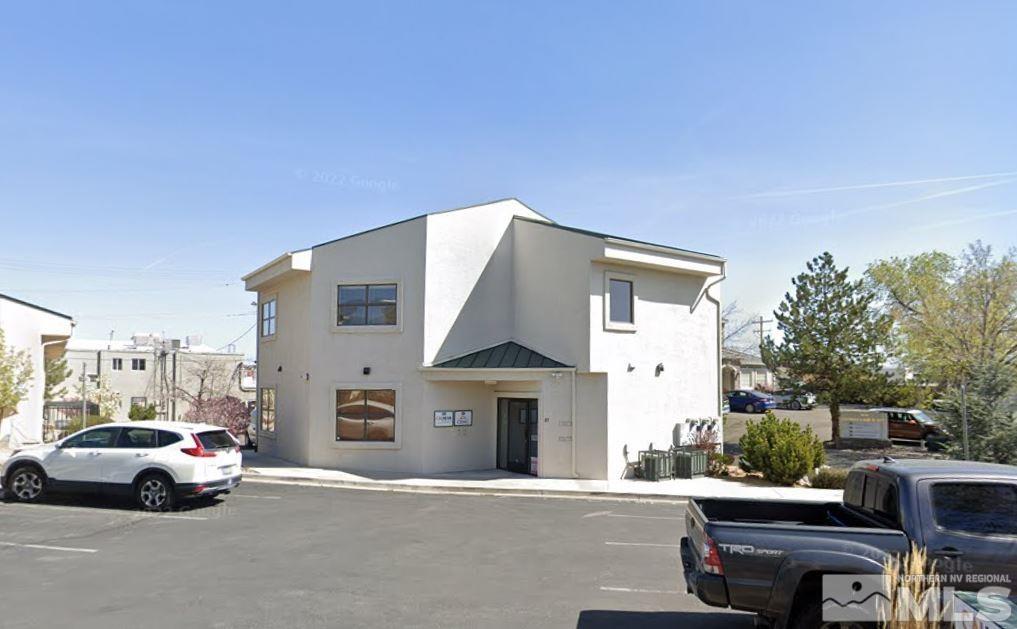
508 355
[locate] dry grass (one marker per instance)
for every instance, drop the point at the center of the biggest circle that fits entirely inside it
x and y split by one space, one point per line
912 575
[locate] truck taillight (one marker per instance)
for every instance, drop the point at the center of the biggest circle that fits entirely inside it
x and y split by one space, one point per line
198 450
711 558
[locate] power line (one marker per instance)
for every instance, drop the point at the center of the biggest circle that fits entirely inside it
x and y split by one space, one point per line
234 341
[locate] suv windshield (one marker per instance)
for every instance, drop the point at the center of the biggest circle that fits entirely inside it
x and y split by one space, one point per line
216 440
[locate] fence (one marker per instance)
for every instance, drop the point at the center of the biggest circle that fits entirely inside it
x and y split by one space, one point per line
57 415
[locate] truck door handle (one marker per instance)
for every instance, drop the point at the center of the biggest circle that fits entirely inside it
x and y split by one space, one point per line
949 551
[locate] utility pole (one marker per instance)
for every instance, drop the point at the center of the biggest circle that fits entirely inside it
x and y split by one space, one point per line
964 419
760 323
84 394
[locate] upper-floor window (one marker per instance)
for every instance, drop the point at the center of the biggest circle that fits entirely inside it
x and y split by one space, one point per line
137 364
268 317
118 364
367 304
621 301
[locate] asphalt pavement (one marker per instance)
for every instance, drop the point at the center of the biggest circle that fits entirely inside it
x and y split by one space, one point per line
288 556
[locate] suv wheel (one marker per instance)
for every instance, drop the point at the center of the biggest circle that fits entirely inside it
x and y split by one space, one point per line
26 483
154 492
750 408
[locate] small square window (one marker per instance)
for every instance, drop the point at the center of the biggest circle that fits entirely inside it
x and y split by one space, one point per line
365 415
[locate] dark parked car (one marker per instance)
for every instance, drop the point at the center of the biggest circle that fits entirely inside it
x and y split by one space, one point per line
770 557
749 401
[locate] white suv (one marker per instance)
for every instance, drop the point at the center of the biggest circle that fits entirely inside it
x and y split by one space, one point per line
157 462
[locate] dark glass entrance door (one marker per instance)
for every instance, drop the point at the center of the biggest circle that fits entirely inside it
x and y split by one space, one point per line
517 435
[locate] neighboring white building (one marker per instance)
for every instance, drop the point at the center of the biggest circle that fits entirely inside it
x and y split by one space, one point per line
484 337
43 333
746 371
148 369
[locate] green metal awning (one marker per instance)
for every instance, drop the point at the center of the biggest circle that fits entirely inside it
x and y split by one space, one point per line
508 355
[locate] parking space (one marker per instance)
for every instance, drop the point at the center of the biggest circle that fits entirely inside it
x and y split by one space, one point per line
272 555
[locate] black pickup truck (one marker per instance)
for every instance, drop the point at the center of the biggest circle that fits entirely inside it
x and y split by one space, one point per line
769 557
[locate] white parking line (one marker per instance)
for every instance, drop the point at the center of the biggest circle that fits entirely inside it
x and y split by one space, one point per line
135 514
638 590
644 517
641 544
66 549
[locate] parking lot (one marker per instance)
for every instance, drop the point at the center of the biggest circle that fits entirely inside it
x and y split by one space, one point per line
282 555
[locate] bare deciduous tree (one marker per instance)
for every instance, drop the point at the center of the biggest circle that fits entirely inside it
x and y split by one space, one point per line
738 329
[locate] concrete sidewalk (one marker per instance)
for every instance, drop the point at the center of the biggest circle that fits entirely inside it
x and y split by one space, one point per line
262 468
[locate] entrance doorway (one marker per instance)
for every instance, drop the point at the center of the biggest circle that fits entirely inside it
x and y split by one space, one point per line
518 425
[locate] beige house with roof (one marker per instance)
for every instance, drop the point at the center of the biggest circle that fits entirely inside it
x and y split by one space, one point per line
485 337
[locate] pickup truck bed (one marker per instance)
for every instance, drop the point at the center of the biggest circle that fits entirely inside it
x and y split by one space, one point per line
782 513
753 538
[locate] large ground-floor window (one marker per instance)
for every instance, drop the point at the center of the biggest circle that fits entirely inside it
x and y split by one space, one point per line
365 414
267 410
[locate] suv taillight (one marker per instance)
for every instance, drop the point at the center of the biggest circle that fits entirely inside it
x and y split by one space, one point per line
711 558
198 449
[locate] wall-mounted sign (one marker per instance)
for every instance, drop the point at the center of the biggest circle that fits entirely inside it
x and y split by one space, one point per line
444 419
464 418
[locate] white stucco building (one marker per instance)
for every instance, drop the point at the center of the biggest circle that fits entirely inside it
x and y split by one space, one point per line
43 333
149 369
484 337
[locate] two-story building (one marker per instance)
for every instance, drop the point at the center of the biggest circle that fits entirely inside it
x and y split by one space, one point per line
41 334
149 369
485 337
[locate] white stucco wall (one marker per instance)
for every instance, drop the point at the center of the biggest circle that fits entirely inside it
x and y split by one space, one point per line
26 329
469 279
644 406
283 363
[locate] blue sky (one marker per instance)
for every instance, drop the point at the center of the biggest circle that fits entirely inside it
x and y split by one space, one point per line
151 154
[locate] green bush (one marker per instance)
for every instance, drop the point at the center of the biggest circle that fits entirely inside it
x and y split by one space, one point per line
74 425
142 413
829 478
718 463
781 449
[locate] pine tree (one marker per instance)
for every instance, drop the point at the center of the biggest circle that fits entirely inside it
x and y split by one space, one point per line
832 335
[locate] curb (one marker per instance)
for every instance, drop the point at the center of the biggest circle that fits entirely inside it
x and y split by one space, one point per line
470 491
306 481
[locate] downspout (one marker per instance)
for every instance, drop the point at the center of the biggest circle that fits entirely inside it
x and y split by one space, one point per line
720 338
575 474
